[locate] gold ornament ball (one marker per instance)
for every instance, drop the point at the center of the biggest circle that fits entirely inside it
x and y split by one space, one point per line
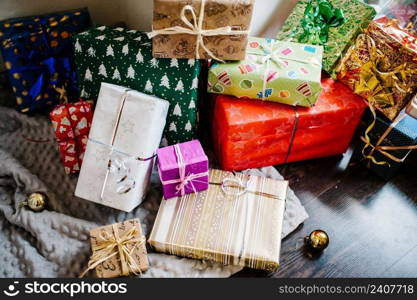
317 240
36 201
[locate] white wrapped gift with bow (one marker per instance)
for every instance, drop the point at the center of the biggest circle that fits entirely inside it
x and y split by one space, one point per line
126 132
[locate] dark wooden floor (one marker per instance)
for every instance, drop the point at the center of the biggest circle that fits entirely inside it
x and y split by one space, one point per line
372 223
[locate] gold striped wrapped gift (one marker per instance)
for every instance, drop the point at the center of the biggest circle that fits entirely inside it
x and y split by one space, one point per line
237 221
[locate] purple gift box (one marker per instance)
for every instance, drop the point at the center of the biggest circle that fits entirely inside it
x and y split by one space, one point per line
183 169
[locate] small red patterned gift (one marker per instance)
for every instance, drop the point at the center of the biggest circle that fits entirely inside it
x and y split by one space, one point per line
72 124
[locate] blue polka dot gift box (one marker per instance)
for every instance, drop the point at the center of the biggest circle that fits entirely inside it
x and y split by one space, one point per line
38 54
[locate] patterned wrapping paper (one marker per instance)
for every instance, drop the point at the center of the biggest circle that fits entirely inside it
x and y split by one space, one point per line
229 226
382 66
71 123
121 148
357 16
125 58
183 169
112 267
291 73
405 11
403 134
38 55
217 13
249 135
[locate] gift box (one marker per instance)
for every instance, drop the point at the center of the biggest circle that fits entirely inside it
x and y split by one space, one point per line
125 134
237 221
401 10
387 144
249 135
183 169
203 29
72 124
118 250
38 54
275 71
382 66
125 58
332 24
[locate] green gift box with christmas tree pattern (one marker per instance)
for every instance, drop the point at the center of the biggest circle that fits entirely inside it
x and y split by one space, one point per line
124 57
333 24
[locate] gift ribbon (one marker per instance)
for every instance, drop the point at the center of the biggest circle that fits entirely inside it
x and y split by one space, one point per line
118 160
47 69
377 86
234 186
384 150
183 179
293 132
273 55
319 17
196 28
123 245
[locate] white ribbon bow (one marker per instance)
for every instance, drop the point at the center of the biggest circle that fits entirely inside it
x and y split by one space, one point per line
196 28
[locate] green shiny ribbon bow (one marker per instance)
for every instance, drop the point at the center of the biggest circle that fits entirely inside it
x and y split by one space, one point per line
319 17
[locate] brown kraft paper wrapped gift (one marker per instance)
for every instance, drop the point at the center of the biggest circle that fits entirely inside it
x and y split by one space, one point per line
109 243
223 43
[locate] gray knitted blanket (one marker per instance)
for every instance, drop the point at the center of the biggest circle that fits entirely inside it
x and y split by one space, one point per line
55 242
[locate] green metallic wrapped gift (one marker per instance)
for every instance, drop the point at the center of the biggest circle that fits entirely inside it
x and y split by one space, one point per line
124 57
332 24
278 71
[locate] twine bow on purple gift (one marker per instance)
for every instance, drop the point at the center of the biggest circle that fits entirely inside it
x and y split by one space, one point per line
184 179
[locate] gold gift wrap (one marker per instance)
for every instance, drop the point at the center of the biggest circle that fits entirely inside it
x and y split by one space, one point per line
118 250
237 221
223 26
382 66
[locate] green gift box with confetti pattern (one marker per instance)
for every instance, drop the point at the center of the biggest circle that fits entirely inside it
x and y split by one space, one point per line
332 24
124 57
284 72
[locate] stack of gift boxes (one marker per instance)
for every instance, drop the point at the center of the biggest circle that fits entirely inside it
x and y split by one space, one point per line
273 101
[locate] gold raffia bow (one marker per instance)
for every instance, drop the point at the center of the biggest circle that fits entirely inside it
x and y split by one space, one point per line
377 86
109 246
380 148
196 28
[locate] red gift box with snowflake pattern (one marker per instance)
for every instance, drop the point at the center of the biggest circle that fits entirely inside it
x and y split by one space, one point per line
71 123
251 134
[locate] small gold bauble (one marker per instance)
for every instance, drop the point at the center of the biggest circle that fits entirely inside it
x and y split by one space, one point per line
36 201
317 240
